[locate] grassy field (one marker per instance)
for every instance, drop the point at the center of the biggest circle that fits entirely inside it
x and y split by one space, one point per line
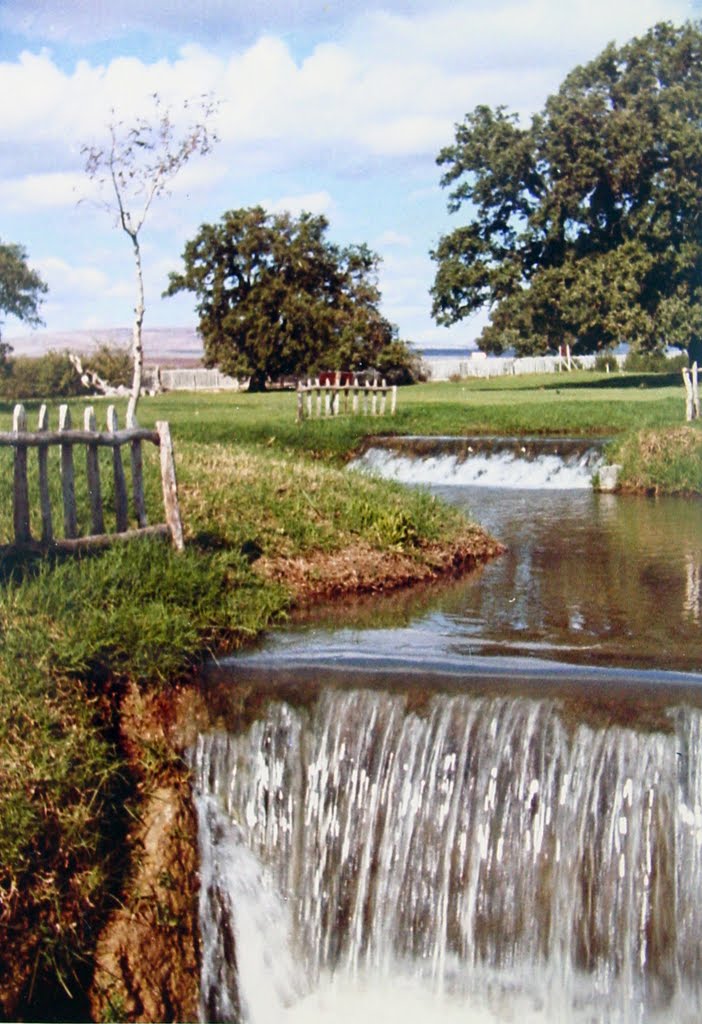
583 404
254 486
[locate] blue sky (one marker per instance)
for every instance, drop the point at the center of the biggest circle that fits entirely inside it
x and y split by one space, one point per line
335 107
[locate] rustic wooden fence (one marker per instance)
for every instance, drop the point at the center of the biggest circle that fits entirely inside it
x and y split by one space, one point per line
329 399
66 438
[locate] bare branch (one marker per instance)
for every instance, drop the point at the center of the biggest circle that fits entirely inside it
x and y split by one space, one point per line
140 162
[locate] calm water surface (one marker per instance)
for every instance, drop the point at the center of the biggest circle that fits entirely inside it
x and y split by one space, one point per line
588 578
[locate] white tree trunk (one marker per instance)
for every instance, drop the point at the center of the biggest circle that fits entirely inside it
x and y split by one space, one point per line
137 342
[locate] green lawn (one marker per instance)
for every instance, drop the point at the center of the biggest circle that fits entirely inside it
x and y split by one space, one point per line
580 403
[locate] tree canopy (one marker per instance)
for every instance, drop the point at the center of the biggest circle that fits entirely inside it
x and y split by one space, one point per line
586 226
276 297
21 288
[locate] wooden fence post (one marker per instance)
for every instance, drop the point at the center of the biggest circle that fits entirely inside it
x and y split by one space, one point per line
170 485
70 518
20 504
300 405
47 526
692 393
92 467
137 474
393 400
121 506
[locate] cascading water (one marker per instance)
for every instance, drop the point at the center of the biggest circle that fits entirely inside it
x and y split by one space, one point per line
479 858
524 463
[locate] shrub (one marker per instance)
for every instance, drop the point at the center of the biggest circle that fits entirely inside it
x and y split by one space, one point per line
48 376
399 363
605 361
654 362
113 363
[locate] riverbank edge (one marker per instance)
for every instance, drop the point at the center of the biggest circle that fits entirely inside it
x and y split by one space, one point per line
147 956
63 638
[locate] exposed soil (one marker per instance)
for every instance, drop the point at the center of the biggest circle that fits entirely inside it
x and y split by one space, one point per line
364 570
147 959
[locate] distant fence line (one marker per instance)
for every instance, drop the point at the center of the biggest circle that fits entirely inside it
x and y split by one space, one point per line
196 379
480 365
439 368
66 438
329 399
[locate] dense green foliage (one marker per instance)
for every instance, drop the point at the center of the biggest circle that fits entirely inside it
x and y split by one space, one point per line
48 376
276 297
21 288
584 227
665 461
53 375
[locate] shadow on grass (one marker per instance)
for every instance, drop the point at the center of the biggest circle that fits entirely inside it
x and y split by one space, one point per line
618 382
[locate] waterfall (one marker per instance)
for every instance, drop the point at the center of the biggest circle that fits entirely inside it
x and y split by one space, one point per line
524 463
485 858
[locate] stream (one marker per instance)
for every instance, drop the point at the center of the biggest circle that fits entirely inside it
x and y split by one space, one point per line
478 802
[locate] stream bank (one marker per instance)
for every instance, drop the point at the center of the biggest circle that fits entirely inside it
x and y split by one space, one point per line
147 958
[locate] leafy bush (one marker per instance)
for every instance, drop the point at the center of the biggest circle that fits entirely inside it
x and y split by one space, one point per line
605 361
398 363
654 362
48 376
113 363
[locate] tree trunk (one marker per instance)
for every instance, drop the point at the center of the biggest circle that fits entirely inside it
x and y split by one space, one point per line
137 342
257 381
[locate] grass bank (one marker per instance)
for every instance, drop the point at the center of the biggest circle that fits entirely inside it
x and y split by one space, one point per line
264 528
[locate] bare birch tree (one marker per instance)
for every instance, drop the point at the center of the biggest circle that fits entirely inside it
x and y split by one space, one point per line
137 164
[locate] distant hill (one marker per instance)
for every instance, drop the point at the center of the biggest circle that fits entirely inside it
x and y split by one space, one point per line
164 346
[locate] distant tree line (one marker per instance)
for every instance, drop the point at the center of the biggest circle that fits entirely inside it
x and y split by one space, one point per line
54 375
581 228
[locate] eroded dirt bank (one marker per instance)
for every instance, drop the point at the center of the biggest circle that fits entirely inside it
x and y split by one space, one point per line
147 958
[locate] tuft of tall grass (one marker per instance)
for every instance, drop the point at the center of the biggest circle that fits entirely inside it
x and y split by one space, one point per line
665 461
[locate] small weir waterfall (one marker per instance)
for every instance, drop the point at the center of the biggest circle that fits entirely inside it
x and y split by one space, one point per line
440 836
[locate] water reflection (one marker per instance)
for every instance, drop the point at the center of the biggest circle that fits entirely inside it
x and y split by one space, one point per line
587 578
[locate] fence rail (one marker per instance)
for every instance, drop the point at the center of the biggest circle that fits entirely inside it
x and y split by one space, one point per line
327 399
66 438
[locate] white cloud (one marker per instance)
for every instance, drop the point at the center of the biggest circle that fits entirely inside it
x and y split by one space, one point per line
52 190
62 277
310 202
343 117
393 86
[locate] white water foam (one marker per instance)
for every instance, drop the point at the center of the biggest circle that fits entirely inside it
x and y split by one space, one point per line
482 860
500 469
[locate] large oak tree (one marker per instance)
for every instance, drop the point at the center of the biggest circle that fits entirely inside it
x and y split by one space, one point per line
584 227
275 296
